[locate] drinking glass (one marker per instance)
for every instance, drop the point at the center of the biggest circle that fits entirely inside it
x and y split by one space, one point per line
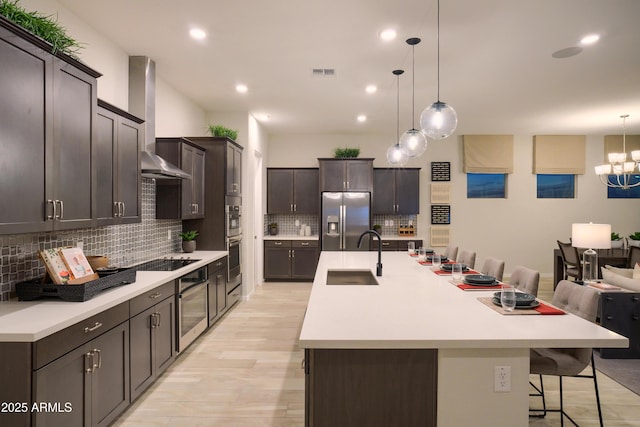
456 271
508 297
435 261
411 248
422 255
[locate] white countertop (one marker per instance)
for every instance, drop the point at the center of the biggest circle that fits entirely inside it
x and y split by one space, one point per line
412 307
29 321
290 237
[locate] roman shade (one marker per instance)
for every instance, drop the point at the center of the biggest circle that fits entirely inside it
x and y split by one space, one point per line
559 154
613 144
488 153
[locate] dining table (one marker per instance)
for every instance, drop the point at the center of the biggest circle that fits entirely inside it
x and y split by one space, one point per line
615 257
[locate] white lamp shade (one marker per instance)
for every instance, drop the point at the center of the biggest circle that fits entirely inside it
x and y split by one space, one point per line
592 236
635 155
617 157
603 169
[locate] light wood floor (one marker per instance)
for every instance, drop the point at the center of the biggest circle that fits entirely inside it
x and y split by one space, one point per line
246 371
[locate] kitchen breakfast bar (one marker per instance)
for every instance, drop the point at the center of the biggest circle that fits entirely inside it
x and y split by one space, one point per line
415 349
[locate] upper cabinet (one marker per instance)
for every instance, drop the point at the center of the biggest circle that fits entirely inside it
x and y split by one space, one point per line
234 170
181 198
117 165
46 125
292 191
396 191
346 175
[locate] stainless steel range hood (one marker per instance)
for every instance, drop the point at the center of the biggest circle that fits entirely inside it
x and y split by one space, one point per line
142 103
154 166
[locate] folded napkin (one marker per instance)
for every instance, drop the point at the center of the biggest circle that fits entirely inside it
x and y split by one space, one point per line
448 273
413 254
466 287
547 309
422 262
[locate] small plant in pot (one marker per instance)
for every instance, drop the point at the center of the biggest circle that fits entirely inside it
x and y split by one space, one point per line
346 153
377 228
222 131
635 239
616 241
273 228
188 240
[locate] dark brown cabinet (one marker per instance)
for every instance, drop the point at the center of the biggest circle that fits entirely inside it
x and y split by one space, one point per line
117 165
152 329
293 191
290 259
396 191
346 175
234 170
394 245
46 115
217 289
181 198
620 312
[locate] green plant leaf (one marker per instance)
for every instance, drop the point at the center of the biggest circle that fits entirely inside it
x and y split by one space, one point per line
189 235
222 131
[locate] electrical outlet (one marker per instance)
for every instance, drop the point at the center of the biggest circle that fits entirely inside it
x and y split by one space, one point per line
80 244
297 223
168 234
391 223
410 222
386 222
502 379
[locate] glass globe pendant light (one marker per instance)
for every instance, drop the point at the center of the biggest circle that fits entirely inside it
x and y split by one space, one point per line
413 141
439 119
396 155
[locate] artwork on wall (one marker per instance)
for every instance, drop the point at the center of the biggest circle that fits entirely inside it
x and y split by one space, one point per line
440 193
440 214
440 171
439 236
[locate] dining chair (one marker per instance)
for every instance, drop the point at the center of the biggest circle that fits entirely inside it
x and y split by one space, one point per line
525 279
451 252
581 301
467 257
493 267
634 256
571 261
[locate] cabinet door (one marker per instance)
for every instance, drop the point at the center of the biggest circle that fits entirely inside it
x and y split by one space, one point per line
25 131
186 163
221 280
110 380
198 183
280 190
359 175
407 191
164 335
306 195
383 197
277 259
142 373
74 114
332 175
304 261
104 166
128 170
234 170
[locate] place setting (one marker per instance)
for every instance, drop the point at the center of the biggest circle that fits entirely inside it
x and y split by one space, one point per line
445 268
510 302
473 282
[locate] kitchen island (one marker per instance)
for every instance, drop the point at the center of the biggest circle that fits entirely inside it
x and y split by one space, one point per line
416 341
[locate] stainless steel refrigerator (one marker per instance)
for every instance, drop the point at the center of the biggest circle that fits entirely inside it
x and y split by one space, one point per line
344 217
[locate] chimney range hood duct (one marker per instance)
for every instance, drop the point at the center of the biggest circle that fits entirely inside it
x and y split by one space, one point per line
142 103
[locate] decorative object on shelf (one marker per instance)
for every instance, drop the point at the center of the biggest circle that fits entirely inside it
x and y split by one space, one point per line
591 236
377 228
406 230
273 228
346 153
42 26
188 240
617 242
413 141
225 132
619 166
439 119
634 239
440 171
396 155
440 214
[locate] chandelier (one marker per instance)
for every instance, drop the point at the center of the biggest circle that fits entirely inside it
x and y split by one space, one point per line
617 173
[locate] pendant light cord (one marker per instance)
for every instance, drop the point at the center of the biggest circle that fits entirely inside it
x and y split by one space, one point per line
624 132
413 87
438 38
397 108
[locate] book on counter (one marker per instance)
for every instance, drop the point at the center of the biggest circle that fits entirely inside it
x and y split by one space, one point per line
604 286
67 265
56 268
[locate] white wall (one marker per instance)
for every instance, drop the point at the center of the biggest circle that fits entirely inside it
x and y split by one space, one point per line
520 229
176 115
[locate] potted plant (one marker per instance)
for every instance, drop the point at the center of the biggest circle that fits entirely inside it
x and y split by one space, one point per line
346 153
377 228
224 132
188 240
635 239
616 241
273 228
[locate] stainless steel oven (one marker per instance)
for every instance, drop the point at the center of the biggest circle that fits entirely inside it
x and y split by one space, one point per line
234 264
192 316
233 216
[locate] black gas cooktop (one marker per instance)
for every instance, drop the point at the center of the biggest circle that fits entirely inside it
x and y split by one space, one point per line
164 264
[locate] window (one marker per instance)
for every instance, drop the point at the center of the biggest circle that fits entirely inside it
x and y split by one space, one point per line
554 186
486 185
618 193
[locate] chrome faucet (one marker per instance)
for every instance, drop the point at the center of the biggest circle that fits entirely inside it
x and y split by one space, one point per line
379 264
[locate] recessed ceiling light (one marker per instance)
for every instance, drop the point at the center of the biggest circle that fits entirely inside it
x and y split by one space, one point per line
197 34
590 39
362 118
371 89
387 34
240 88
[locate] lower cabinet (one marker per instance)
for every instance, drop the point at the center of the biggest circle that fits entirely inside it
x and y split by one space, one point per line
290 259
217 290
394 245
89 385
620 312
153 336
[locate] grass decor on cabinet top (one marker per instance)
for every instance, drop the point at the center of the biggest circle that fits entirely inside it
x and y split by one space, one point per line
42 26
346 153
219 130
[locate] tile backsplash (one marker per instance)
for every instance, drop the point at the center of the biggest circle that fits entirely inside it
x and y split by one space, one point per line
124 244
287 227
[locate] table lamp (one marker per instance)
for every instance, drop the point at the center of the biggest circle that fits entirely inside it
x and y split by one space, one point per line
591 236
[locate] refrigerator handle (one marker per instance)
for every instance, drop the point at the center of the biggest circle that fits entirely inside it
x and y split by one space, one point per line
343 220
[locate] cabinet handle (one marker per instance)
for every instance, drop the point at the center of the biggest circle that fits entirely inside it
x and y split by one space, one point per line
99 364
123 208
159 318
289 253
344 184
116 209
291 207
219 264
61 209
293 253
609 317
156 295
635 299
385 243
53 210
635 317
304 244
295 207
88 363
93 328
277 243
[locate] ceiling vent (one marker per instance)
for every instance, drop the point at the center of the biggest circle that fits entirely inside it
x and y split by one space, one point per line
323 72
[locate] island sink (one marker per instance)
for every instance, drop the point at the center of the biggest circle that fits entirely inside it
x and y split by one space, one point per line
350 277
